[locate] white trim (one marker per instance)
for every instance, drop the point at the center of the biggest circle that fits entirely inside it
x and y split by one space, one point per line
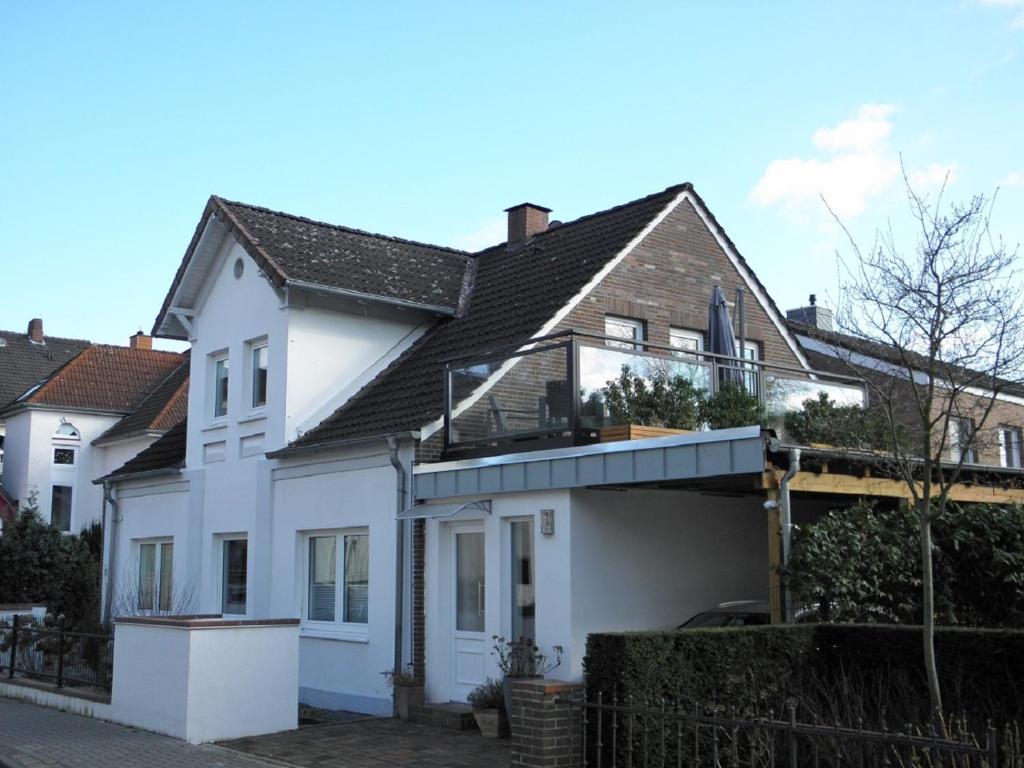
429 429
752 285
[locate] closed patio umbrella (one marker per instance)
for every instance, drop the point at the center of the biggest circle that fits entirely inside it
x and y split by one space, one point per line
720 338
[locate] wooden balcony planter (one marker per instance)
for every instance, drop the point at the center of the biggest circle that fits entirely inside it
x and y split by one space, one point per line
637 432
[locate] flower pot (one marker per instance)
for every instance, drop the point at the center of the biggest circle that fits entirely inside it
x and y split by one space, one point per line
489 723
407 696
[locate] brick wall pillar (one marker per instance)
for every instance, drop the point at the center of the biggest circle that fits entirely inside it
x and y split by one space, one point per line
546 724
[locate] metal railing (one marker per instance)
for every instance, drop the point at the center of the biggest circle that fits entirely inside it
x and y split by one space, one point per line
66 659
623 734
555 387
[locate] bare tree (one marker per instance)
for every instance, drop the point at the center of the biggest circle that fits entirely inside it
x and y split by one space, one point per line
132 600
938 336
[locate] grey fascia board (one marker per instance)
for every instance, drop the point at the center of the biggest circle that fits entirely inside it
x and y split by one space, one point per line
115 478
738 451
331 445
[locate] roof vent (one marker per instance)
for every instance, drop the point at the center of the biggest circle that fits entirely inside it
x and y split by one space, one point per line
813 315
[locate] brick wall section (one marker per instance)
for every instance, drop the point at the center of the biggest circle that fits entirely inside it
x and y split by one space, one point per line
667 282
419 624
546 724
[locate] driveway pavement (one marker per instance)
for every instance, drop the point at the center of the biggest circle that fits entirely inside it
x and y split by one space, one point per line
39 737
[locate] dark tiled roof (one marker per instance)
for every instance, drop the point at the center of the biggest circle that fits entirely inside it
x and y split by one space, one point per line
513 295
23 363
163 408
293 248
166 452
884 352
105 378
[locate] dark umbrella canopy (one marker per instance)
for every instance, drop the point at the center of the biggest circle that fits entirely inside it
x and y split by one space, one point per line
720 338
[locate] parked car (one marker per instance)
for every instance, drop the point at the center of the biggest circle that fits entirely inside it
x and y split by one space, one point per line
736 613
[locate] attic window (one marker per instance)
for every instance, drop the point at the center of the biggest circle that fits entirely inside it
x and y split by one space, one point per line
67 431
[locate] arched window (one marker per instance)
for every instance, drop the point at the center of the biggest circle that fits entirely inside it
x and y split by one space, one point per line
67 431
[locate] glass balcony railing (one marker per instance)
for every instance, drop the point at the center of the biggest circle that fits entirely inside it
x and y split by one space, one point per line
566 388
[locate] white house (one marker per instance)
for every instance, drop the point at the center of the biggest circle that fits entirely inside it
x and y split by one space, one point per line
63 430
401 444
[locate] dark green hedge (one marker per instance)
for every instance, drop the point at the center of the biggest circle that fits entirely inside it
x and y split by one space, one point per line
836 672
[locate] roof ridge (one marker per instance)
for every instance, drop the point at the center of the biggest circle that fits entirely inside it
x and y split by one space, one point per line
135 350
675 189
46 337
343 228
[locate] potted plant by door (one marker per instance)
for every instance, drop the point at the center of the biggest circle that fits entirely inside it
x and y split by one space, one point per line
488 709
521 660
408 691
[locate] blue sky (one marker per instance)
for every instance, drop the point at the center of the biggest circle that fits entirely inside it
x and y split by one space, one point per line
425 120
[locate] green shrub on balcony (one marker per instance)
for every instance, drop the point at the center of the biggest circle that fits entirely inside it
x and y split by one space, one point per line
731 406
658 400
822 421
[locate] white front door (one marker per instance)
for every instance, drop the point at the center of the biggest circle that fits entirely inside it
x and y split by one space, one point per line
468 645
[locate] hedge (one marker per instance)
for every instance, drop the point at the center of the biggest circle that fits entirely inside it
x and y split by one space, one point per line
836 672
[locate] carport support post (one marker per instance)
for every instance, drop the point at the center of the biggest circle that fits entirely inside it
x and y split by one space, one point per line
774 555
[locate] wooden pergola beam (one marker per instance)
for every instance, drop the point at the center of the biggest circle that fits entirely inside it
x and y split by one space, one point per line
851 485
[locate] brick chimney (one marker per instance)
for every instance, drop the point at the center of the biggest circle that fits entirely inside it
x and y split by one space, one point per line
140 341
35 330
526 220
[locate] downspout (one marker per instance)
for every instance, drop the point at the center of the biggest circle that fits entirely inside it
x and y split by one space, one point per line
786 523
110 554
400 482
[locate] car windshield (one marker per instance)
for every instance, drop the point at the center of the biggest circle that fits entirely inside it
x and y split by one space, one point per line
723 619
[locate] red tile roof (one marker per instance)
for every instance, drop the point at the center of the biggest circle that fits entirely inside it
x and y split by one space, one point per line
164 407
104 378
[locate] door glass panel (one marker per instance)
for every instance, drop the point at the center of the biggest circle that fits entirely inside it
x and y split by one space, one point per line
469 582
523 597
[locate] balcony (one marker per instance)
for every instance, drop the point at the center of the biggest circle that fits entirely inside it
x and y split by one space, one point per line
570 388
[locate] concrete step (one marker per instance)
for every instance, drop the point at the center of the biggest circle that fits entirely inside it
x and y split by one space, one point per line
458 717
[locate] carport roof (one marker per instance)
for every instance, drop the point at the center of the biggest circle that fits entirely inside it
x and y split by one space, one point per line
656 460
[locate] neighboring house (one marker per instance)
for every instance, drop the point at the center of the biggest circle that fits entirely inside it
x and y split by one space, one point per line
61 431
399 443
26 359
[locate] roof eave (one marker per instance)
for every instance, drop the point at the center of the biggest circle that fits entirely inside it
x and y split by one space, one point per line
360 296
113 477
290 451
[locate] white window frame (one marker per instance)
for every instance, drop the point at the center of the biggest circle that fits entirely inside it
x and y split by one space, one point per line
251 347
676 335
1004 446
157 570
222 539
624 322
337 629
960 443
60 447
211 400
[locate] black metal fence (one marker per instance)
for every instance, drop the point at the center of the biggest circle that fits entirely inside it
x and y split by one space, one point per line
623 735
55 655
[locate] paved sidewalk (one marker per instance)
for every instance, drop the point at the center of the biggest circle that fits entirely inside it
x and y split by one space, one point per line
40 737
378 743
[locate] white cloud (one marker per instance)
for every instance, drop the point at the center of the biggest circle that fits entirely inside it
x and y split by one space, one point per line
933 176
868 131
854 165
1013 179
860 166
490 232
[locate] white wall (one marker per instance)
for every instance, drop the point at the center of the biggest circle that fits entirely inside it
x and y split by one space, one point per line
652 559
28 461
356 490
147 510
212 683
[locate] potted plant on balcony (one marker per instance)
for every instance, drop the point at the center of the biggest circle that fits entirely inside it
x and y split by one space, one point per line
488 704
822 422
408 690
731 406
651 405
522 660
